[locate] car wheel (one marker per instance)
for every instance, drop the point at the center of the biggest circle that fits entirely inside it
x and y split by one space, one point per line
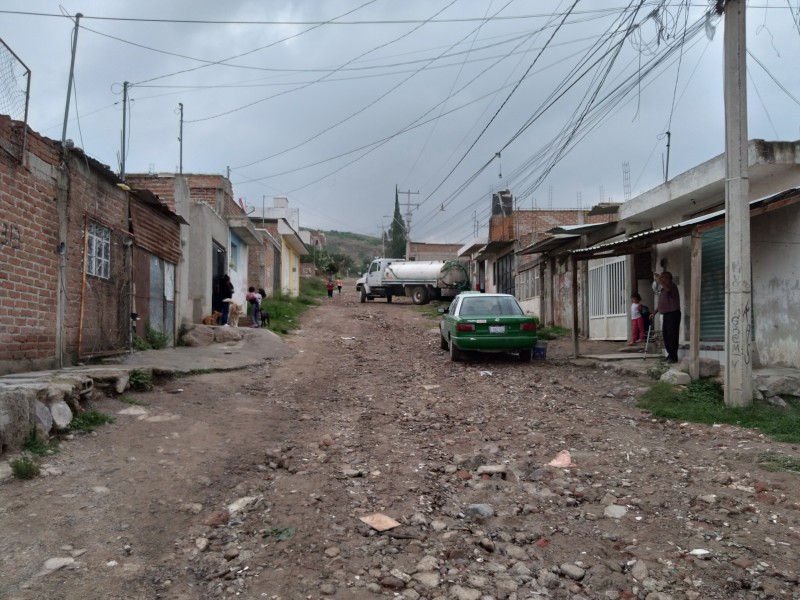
525 354
455 353
443 342
363 295
419 295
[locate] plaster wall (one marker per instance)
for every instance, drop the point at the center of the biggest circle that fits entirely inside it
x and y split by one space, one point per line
207 227
776 287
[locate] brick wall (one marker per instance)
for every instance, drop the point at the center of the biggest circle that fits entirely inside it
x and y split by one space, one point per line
531 225
106 312
28 253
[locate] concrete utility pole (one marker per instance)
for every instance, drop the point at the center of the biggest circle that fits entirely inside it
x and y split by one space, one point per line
125 86
738 287
180 139
71 77
408 206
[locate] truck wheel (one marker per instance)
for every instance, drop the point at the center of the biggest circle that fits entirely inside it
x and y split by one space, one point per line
525 354
443 342
389 298
363 295
419 295
455 353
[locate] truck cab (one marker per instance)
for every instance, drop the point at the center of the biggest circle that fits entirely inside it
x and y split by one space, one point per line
370 285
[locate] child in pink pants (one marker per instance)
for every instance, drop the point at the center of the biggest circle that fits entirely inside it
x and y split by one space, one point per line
637 321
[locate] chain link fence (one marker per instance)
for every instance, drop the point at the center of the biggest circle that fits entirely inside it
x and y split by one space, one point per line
15 91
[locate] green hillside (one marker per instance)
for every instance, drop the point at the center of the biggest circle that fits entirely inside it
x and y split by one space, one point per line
360 248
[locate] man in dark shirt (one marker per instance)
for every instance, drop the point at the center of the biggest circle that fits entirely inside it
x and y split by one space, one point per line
669 305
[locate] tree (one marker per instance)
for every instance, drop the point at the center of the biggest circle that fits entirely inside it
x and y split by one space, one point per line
397 232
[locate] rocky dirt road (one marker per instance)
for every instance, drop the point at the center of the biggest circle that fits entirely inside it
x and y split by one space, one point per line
253 484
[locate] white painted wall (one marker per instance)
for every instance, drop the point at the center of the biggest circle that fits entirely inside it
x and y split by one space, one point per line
776 287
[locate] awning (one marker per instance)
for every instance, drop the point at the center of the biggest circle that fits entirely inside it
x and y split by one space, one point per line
495 248
472 246
643 241
549 243
243 228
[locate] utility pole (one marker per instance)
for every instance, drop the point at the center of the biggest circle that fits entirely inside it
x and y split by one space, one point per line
408 206
124 123
666 167
71 78
180 139
738 307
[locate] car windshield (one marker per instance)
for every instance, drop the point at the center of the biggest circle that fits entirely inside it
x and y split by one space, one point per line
489 306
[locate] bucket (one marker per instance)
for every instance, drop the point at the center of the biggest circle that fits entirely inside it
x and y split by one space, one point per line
540 351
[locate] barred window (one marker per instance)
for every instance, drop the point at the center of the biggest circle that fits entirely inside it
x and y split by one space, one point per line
98 257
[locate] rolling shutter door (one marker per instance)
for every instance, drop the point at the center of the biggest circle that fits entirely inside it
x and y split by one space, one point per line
712 288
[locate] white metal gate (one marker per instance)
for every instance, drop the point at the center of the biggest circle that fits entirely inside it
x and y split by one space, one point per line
608 298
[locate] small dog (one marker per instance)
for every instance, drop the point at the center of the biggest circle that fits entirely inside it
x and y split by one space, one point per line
264 318
235 312
212 319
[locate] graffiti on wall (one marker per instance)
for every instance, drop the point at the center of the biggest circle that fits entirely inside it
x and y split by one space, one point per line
10 235
740 326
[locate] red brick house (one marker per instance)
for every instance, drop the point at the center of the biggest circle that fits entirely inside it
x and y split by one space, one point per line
67 253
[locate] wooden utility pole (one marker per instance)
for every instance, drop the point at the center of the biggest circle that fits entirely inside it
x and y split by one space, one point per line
408 206
738 297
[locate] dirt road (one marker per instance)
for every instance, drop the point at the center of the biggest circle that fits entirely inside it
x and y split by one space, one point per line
252 484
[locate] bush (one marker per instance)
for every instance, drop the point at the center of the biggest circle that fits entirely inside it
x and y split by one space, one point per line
38 447
141 381
24 468
90 420
157 339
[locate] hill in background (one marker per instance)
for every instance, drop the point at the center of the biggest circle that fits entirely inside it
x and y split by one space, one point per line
360 248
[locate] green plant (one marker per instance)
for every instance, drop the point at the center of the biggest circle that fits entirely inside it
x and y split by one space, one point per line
156 339
141 381
129 400
702 402
38 447
552 333
90 420
657 370
140 344
777 461
24 467
279 533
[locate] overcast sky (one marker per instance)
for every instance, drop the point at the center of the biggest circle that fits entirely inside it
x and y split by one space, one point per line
334 103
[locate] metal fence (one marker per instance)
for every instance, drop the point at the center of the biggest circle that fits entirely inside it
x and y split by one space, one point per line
15 92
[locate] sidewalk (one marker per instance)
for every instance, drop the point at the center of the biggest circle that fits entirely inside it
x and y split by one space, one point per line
47 399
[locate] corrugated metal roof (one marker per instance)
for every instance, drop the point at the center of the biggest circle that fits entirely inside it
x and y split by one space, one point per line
680 229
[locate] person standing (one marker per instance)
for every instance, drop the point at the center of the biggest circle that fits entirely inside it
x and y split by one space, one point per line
339 285
329 287
637 322
226 293
669 305
254 298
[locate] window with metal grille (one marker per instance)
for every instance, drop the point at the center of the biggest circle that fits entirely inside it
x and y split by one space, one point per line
98 256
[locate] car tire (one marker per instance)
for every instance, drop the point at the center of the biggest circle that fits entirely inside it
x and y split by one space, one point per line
419 295
363 295
526 354
443 342
455 353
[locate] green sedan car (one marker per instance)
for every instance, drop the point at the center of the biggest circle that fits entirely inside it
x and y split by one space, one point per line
488 323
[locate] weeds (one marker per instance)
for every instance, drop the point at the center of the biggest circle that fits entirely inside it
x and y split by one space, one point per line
284 310
777 461
553 332
90 420
657 370
141 381
702 402
35 446
279 533
153 340
129 400
24 467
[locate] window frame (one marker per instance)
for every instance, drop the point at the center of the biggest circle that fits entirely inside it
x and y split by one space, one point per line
98 252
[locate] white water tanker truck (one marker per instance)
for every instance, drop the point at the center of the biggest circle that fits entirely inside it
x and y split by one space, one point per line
422 281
